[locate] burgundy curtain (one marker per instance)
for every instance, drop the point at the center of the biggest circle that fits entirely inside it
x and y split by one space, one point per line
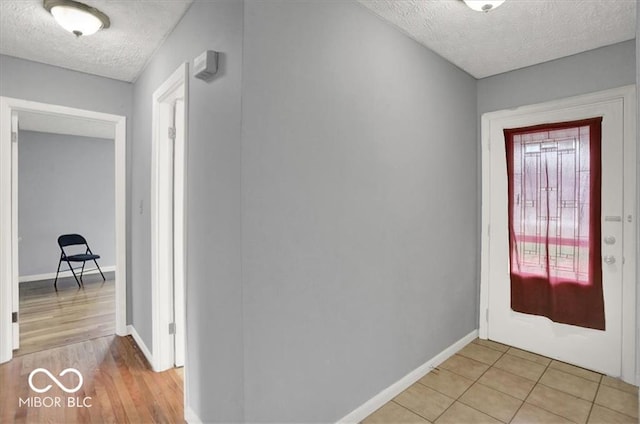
554 183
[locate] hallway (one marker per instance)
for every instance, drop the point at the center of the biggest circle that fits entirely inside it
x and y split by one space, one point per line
334 201
118 386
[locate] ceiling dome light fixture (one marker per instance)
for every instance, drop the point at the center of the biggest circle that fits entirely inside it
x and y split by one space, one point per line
77 18
483 5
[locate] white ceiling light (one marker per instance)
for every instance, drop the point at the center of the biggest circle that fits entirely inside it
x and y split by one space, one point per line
77 18
483 5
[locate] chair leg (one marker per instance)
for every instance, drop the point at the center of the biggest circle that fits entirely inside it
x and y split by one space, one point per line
55 283
98 266
82 271
74 274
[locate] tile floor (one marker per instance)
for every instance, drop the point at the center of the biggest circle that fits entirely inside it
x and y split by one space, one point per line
488 382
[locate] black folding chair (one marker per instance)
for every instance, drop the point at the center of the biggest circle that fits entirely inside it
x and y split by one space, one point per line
73 240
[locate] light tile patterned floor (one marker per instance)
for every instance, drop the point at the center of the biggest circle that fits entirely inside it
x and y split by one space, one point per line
488 382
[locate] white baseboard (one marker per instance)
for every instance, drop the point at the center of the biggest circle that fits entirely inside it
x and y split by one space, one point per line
373 404
63 274
143 347
190 416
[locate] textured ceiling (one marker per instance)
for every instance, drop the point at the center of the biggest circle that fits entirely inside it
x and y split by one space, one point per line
138 27
519 33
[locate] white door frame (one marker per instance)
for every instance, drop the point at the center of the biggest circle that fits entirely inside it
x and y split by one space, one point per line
15 299
627 94
163 221
8 236
180 231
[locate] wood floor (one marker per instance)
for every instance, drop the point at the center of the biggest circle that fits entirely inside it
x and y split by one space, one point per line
119 386
50 318
74 328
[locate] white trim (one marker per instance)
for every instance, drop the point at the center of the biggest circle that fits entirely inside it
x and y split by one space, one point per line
376 402
627 93
14 224
187 371
179 231
8 282
120 139
63 274
190 416
131 330
162 219
6 242
629 249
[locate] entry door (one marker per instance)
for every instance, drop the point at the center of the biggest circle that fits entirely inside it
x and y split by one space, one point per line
585 347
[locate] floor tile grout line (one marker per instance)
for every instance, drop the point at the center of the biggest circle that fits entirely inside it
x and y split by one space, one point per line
490 366
594 399
451 371
470 386
577 376
489 347
617 389
567 393
439 392
537 383
635 393
606 407
474 382
483 347
469 357
613 410
521 376
551 362
435 390
408 409
514 374
430 388
549 367
508 349
491 388
526 359
531 390
496 390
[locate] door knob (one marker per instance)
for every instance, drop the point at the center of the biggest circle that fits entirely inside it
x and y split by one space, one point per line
609 260
609 240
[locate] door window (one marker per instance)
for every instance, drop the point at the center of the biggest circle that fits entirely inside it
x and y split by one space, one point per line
554 179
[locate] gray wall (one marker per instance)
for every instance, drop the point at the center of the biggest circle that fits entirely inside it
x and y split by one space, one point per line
66 185
341 157
358 207
638 180
34 81
214 306
600 69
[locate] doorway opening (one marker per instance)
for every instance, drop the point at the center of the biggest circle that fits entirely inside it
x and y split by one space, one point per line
10 110
65 185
